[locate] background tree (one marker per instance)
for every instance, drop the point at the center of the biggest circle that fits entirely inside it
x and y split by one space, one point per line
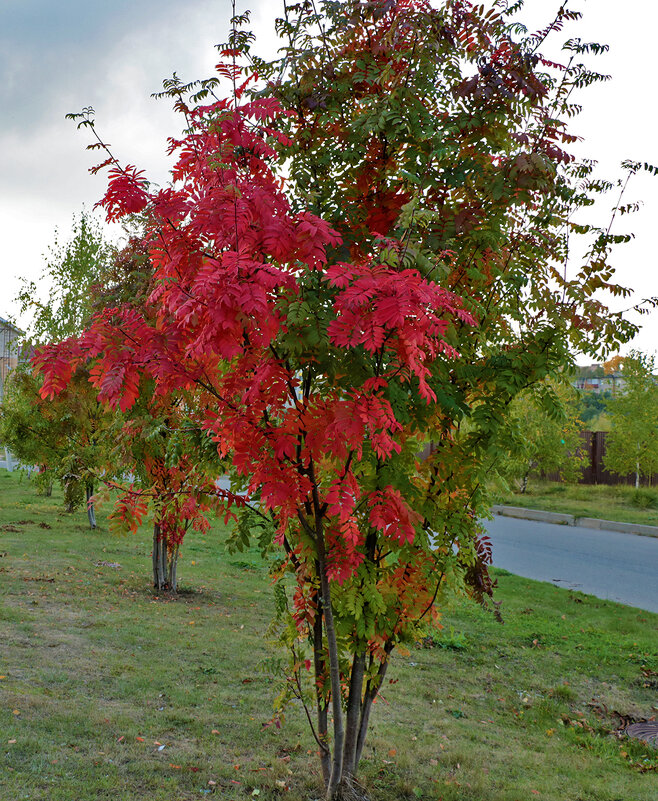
543 434
66 435
406 283
62 436
632 442
592 410
71 269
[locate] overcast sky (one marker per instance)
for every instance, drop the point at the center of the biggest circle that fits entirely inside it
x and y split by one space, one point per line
57 56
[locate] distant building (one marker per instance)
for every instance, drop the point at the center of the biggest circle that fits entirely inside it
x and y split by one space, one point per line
9 350
595 379
9 355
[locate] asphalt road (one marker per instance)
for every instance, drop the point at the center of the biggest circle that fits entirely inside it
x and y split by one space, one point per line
618 567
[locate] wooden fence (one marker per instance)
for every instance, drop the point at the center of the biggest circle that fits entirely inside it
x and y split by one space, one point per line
593 449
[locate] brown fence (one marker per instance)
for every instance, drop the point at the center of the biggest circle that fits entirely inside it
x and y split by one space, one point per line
593 449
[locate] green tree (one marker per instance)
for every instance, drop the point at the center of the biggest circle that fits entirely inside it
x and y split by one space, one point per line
64 437
632 443
542 434
72 268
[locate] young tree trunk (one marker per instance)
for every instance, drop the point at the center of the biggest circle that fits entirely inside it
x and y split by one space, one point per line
336 774
637 474
524 483
353 714
173 567
320 668
91 511
371 692
159 559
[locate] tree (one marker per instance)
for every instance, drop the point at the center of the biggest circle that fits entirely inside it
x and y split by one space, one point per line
61 436
366 250
70 272
543 434
632 443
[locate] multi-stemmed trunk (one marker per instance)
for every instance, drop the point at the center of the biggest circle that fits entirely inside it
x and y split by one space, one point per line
165 561
340 758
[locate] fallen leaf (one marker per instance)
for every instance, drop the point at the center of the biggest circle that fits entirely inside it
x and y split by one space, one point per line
15 711
392 752
2 677
211 782
214 731
120 740
535 792
139 739
175 767
11 742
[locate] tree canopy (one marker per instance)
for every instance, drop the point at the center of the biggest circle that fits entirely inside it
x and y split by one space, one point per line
364 248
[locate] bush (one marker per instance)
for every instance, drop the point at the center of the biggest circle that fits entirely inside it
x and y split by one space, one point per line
645 499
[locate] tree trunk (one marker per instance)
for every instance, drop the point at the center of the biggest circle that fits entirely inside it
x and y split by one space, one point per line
372 689
91 512
334 669
159 559
637 474
173 567
524 483
353 713
320 669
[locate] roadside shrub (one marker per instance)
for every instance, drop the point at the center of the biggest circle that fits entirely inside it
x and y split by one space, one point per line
645 498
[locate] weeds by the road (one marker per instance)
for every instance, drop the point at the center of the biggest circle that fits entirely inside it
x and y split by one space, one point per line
110 692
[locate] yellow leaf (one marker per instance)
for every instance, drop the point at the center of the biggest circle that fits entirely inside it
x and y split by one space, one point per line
16 712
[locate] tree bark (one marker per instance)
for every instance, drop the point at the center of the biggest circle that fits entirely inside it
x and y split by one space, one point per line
320 668
91 512
334 668
173 567
372 689
159 559
352 716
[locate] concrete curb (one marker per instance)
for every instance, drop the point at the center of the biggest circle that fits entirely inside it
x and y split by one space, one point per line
569 520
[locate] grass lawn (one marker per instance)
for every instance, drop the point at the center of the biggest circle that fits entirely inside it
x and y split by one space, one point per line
109 692
622 503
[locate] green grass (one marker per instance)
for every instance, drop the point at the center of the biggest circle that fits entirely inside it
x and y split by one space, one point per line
98 674
621 503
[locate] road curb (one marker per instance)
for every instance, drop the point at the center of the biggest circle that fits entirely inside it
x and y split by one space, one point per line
561 519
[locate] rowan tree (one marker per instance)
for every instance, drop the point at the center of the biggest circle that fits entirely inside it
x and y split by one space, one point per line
170 468
364 249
